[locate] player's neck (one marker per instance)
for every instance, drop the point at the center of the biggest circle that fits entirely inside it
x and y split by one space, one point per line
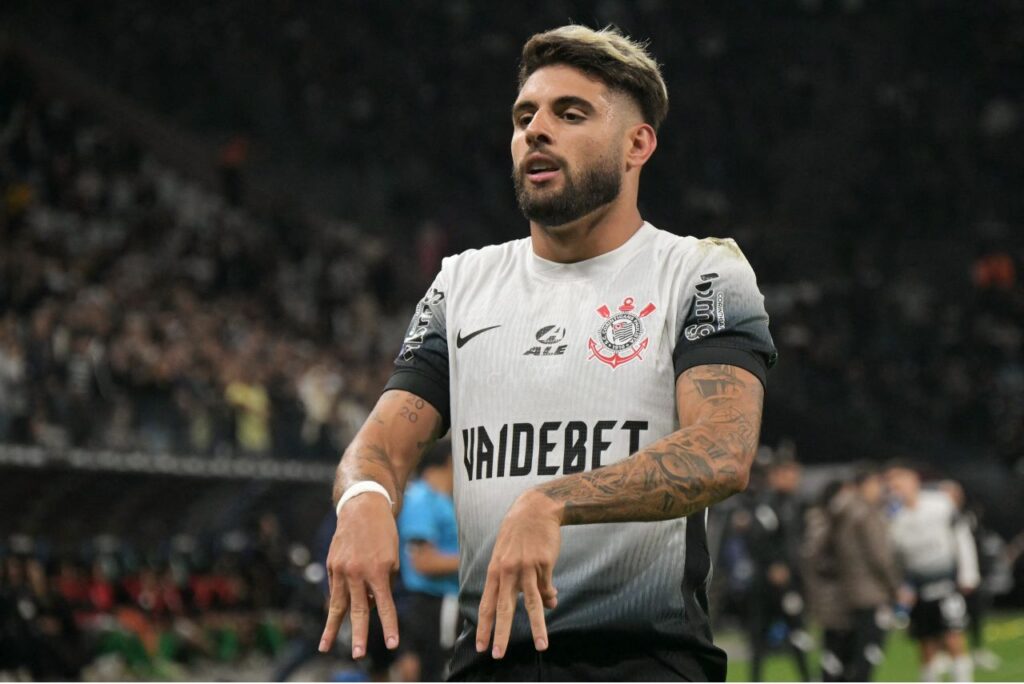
597 233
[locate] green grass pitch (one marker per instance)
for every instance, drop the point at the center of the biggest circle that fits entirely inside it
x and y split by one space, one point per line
1004 636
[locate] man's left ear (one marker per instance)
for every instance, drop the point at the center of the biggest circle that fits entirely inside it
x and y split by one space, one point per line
642 143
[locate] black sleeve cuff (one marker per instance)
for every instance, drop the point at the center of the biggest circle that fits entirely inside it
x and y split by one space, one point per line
425 387
703 355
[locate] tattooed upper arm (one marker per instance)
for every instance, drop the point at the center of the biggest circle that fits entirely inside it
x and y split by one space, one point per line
728 400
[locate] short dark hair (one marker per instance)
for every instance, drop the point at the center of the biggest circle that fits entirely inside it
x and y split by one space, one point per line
619 62
437 456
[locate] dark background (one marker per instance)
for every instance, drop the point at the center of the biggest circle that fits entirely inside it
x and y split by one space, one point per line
201 196
865 155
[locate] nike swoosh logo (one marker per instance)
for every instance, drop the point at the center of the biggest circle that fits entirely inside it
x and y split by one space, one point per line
460 340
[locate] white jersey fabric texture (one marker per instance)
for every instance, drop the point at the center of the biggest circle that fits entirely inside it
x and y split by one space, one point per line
544 369
928 539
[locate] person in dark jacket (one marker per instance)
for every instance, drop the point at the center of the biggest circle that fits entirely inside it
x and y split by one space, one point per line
775 616
867 572
820 571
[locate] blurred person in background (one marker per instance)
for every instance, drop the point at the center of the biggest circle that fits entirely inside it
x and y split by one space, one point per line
14 390
429 544
20 652
927 537
304 608
820 571
735 566
974 585
38 633
867 575
59 638
246 394
319 388
268 561
776 608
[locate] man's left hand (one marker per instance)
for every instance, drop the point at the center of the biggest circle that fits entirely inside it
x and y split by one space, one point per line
522 562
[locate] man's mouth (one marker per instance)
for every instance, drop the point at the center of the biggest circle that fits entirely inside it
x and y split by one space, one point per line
541 168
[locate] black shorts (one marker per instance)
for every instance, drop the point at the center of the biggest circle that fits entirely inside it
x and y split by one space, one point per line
379 657
599 657
933 618
420 623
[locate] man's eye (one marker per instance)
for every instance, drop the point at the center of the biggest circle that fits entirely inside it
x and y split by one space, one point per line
572 116
525 119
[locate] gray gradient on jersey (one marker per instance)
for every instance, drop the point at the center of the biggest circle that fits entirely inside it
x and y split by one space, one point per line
610 577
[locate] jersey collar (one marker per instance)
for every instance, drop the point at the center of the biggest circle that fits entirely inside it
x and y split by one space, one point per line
595 266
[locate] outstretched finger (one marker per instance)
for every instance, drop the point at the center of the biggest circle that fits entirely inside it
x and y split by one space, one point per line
485 613
335 613
535 609
503 614
360 615
386 610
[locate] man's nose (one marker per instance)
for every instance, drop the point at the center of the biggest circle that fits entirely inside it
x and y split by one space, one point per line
538 132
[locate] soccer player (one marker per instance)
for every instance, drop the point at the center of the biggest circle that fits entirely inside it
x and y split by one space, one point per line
603 384
429 564
925 535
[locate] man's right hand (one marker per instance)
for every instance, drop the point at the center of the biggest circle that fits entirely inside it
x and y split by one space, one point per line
363 554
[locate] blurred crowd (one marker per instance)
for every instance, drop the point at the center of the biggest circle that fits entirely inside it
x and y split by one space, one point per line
766 99
186 604
235 602
871 179
878 548
139 310
865 155
822 571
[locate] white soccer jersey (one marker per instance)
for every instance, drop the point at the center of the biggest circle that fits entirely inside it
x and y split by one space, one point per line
545 369
926 539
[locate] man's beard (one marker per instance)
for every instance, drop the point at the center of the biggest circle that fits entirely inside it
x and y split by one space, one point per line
597 186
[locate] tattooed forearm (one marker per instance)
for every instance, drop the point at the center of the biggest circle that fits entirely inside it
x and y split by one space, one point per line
704 462
366 461
399 430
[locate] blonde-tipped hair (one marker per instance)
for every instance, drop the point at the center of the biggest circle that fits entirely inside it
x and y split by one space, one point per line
621 63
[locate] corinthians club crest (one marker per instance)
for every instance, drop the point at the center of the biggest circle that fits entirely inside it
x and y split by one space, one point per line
622 336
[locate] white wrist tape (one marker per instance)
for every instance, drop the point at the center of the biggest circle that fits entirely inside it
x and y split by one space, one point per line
362 488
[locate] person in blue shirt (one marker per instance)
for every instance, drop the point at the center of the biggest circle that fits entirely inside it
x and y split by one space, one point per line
429 562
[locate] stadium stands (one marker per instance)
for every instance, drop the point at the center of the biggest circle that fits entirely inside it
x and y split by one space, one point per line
868 176
156 302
